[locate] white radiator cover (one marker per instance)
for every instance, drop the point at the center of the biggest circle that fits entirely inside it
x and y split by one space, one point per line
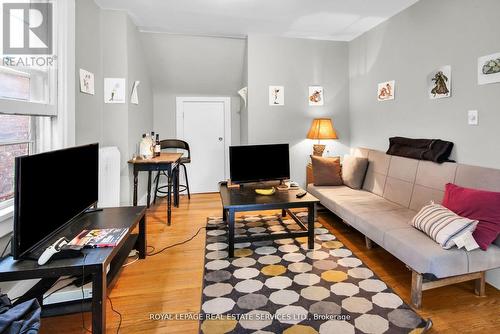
109 177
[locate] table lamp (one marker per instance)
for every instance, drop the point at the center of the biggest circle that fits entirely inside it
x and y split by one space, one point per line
321 128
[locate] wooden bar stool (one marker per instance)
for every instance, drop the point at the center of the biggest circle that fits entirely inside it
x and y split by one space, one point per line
180 145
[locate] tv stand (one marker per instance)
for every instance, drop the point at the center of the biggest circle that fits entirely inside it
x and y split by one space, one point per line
104 264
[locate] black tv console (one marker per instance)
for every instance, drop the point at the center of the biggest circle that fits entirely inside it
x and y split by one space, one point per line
97 261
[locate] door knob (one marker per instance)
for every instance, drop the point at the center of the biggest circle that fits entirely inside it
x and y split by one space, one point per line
220 138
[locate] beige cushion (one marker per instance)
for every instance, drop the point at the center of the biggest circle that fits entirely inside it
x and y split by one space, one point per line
424 255
353 171
376 174
326 171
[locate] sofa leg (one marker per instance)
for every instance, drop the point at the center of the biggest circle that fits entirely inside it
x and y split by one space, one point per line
416 290
480 285
368 242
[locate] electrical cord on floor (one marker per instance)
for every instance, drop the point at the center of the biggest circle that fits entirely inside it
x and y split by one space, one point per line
119 314
131 262
153 253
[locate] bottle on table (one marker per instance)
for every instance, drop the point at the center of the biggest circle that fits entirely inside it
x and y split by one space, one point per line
157 146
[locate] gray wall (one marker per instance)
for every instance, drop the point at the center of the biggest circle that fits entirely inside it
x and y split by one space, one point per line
108 44
297 64
407 48
244 108
88 56
182 65
115 116
140 117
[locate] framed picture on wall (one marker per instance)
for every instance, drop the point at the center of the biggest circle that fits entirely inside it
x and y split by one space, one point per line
385 91
439 83
276 95
488 69
114 90
316 96
87 82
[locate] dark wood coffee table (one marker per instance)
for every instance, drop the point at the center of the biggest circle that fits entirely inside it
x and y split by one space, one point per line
245 199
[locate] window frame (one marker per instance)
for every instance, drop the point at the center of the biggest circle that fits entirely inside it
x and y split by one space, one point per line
16 107
5 204
57 131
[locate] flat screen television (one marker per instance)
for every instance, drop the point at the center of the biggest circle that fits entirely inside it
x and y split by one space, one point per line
257 163
51 189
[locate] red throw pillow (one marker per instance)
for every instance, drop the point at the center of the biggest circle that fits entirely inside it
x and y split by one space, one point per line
479 205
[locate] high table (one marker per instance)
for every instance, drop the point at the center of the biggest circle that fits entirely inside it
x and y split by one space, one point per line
245 199
165 162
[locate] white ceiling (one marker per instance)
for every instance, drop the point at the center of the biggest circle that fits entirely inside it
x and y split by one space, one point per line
340 20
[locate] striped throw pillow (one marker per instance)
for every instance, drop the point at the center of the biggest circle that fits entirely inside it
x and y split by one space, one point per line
442 225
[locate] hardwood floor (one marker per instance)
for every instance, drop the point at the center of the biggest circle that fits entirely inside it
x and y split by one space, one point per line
171 281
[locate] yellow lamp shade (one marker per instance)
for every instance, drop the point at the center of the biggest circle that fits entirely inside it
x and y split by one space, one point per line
322 128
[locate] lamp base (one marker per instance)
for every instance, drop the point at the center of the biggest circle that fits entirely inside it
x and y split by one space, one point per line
318 150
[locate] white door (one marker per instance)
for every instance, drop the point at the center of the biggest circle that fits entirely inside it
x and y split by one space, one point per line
205 124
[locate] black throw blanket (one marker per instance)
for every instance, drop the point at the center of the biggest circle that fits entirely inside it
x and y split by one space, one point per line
422 149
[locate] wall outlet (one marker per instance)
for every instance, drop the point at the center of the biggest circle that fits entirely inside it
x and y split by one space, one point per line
473 117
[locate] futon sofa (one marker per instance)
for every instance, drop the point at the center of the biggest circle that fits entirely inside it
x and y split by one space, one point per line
393 191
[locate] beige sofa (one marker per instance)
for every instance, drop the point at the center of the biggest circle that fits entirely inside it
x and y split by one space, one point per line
394 190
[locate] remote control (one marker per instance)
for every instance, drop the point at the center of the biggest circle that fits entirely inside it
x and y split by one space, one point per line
51 250
301 194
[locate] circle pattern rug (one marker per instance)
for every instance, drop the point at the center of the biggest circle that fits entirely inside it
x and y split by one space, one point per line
283 287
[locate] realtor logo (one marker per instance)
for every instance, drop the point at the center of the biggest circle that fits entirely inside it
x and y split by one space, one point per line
27 28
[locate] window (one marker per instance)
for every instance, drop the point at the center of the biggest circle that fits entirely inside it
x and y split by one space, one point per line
36 89
15 130
15 140
28 91
14 84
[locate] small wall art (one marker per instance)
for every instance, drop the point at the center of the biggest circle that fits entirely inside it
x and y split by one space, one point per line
488 69
276 95
244 94
87 82
114 90
439 83
385 91
316 96
134 97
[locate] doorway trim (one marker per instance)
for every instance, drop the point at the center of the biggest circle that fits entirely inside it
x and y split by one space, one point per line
179 116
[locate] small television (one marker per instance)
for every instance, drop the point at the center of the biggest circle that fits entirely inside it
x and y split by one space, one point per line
51 189
257 163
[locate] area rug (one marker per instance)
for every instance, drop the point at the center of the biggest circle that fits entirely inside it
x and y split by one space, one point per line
282 287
